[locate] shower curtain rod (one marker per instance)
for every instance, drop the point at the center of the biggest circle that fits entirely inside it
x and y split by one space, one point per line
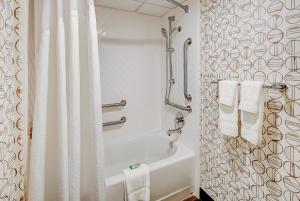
185 8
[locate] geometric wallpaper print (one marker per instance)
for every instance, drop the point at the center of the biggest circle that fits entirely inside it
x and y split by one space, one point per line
251 40
11 92
19 122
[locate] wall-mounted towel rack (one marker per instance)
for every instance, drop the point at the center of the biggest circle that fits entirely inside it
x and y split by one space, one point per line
277 86
111 123
122 103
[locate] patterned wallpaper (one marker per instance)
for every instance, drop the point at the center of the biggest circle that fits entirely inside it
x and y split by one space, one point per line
251 40
11 104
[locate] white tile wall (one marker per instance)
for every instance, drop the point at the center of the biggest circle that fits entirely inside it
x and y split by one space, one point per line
131 65
132 56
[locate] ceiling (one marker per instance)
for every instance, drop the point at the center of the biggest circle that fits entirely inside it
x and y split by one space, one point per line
148 7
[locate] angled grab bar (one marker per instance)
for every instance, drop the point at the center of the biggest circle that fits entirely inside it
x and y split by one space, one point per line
187 108
187 43
121 104
111 123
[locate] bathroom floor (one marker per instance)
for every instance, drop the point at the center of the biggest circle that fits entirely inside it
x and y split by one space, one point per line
192 199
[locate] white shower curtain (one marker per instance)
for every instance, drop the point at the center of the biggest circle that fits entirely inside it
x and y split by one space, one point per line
66 157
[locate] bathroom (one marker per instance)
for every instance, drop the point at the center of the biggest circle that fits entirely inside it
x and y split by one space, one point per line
152 100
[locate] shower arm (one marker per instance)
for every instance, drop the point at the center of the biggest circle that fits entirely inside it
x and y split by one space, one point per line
185 8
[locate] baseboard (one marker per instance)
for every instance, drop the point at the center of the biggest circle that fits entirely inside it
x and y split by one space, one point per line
204 196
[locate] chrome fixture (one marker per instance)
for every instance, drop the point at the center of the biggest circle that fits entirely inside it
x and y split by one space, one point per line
122 103
276 86
164 32
185 8
176 130
110 105
111 123
179 123
170 81
187 108
187 43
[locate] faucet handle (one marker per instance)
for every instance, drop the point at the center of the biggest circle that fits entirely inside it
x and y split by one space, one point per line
179 120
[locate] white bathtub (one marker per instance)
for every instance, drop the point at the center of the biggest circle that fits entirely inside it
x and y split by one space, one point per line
170 173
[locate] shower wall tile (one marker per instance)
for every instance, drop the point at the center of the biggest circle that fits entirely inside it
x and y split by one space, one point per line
251 40
131 66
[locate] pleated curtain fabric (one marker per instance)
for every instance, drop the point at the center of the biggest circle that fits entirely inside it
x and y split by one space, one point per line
66 156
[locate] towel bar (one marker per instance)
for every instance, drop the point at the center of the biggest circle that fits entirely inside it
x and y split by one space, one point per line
277 86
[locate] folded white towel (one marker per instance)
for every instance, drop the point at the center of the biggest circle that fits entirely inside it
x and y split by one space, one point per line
228 108
252 111
251 93
137 183
227 92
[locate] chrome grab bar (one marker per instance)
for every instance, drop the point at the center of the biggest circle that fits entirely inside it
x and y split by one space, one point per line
175 130
111 123
187 43
121 104
187 108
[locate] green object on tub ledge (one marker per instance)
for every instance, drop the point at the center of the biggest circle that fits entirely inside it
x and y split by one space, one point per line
134 166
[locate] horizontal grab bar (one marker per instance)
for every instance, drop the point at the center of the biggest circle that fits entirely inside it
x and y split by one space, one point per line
187 108
111 123
176 130
110 105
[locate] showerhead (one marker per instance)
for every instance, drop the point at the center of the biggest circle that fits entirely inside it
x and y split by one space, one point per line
164 32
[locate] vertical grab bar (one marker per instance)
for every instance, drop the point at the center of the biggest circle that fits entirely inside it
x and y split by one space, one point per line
187 96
